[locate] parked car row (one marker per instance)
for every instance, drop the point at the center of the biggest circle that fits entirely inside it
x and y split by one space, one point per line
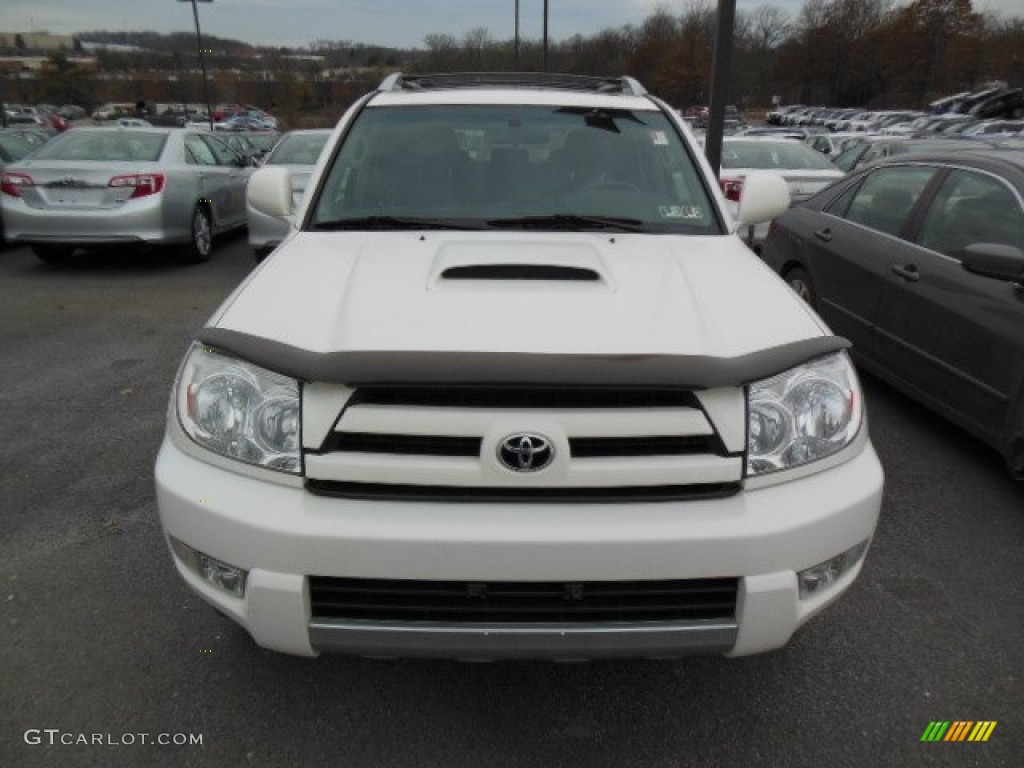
995 109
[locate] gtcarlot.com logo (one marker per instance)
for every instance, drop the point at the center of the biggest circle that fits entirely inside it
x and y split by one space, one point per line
958 730
56 737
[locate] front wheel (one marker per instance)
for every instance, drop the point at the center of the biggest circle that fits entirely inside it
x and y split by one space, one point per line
200 245
798 279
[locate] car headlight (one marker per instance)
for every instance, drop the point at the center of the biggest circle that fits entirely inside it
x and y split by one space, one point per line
240 410
805 414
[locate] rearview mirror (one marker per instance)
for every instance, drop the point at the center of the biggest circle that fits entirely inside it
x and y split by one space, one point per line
270 191
764 196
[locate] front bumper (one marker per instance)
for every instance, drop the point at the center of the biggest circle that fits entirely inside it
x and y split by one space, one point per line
282 535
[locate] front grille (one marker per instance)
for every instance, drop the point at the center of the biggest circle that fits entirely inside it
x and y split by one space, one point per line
523 397
409 445
455 494
594 447
581 447
522 602
429 443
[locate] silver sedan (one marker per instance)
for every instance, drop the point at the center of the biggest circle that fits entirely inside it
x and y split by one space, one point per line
298 151
95 187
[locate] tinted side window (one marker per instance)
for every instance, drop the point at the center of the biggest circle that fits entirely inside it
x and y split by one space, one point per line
886 197
839 206
197 152
972 208
225 155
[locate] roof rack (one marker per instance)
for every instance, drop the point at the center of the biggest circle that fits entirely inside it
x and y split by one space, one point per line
438 81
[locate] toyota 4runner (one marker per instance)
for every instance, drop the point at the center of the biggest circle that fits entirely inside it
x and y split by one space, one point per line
513 387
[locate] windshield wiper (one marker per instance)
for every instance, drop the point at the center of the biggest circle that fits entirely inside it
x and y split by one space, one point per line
568 221
393 223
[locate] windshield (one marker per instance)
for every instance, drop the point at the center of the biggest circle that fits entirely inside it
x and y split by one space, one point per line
538 167
104 145
298 149
773 156
13 148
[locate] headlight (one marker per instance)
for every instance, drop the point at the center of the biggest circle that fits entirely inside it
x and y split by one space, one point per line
240 410
802 415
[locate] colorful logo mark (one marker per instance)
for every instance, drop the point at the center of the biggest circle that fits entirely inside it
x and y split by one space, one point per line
958 730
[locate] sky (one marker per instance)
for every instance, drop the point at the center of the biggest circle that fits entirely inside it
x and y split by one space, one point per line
394 23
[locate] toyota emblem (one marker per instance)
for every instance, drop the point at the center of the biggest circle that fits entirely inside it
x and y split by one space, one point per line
525 452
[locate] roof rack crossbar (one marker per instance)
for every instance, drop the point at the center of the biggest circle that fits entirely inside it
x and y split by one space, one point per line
399 81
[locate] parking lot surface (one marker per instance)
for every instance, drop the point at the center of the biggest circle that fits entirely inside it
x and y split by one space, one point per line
102 638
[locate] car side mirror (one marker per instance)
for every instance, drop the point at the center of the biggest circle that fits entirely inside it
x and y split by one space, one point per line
270 191
764 196
1002 262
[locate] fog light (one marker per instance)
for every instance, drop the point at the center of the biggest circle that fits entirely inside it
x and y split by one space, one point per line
221 575
216 573
818 578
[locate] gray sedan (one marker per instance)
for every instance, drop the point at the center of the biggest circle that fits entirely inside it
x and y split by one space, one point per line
297 151
919 262
121 186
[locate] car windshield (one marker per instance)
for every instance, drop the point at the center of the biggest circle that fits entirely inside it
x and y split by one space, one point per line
534 167
262 141
773 155
13 148
298 149
104 146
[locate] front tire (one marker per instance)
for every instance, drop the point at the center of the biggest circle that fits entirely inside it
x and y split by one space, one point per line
800 281
200 245
53 254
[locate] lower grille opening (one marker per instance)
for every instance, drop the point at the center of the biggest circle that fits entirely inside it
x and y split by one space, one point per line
522 602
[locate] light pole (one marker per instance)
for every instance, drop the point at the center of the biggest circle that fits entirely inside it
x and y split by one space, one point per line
517 36
719 83
545 35
202 60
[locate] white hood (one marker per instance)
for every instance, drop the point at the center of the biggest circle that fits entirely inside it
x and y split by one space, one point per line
667 295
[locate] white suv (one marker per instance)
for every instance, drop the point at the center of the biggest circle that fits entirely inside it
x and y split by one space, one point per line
513 387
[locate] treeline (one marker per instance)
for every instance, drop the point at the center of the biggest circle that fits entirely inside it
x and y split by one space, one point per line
837 52
840 52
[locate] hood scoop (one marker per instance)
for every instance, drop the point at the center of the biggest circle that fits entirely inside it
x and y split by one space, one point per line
547 272
506 263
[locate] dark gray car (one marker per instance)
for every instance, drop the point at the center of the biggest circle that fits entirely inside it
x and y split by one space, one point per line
920 263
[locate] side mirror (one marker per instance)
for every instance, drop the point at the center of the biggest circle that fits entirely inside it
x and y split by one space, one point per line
270 191
764 196
1002 262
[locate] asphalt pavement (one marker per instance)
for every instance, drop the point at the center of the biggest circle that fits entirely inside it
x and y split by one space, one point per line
103 644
